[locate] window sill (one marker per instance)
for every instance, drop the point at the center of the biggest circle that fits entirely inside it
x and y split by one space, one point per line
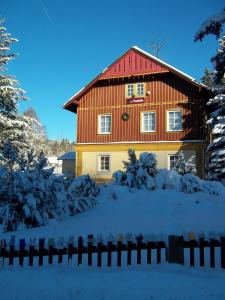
148 131
175 130
105 133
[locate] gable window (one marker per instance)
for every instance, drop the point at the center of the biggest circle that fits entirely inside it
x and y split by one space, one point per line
174 120
172 159
104 163
130 90
104 124
140 89
148 121
135 89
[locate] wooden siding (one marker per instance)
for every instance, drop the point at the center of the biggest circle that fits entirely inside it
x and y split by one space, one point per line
167 91
132 63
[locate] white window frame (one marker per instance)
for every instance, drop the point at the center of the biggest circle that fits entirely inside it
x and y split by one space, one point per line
168 120
169 156
99 124
129 94
134 90
142 121
142 88
99 163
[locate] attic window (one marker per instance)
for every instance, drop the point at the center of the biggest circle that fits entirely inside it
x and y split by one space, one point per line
135 90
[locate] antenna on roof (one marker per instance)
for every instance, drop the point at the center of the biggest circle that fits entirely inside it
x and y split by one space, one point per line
156 47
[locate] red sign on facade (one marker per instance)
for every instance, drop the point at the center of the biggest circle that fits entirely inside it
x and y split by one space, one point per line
135 100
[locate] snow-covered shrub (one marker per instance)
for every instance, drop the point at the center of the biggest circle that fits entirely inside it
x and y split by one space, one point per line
191 184
184 167
30 196
82 194
166 179
214 188
138 172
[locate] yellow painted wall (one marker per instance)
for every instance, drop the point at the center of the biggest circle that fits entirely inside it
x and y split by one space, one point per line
87 160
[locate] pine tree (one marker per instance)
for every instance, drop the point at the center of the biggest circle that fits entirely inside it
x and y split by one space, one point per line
216 122
207 78
14 128
182 166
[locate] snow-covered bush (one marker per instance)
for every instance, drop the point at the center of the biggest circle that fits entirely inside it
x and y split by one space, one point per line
138 172
31 196
166 179
191 184
82 194
182 166
214 188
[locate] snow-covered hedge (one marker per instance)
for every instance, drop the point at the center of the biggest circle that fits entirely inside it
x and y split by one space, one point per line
32 194
144 173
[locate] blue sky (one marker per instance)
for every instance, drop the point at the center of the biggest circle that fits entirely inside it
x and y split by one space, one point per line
63 44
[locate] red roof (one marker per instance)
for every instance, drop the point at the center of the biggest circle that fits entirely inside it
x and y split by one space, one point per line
134 62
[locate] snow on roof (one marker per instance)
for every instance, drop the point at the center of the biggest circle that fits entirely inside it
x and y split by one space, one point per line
165 64
67 156
74 95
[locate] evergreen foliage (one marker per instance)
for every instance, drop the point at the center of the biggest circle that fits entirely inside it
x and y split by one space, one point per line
182 166
14 128
82 194
138 172
216 168
207 78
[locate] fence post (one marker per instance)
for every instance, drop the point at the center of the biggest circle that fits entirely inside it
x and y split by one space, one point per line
41 251
21 252
11 250
139 239
176 250
79 250
51 243
201 250
31 252
222 252
70 248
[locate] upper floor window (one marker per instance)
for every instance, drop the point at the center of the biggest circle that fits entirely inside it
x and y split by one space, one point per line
135 89
174 120
104 124
148 121
130 90
140 89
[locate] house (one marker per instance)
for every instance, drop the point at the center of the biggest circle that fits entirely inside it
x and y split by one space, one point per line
54 163
138 102
68 163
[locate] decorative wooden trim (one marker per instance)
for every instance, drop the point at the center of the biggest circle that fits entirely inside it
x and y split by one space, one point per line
134 75
140 147
131 105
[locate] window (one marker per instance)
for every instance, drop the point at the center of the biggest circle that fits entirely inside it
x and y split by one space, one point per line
104 124
174 120
140 89
103 163
148 121
172 161
135 90
130 90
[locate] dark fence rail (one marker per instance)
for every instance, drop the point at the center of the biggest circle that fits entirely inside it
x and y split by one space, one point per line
174 250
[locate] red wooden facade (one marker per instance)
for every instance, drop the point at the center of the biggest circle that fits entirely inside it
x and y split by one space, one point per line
166 88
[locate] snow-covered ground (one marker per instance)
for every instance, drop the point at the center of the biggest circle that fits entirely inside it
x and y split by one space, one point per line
141 283
123 210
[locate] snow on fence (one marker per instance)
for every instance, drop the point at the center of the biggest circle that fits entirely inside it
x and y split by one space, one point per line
127 250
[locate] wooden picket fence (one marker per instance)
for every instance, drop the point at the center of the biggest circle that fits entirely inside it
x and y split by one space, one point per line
174 250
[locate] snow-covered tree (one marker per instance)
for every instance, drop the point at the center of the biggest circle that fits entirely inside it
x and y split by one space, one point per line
138 172
216 149
207 78
82 194
182 166
14 128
